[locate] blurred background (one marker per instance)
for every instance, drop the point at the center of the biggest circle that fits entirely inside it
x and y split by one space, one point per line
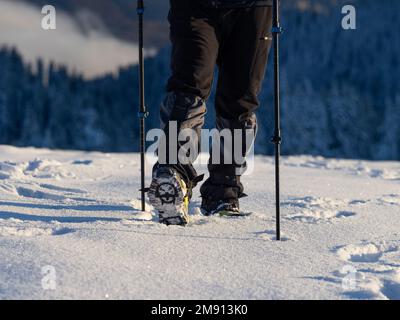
76 87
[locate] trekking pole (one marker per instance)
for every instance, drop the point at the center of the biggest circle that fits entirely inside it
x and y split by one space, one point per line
142 114
277 139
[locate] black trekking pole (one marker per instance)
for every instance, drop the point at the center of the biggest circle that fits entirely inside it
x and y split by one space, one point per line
142 108
277 139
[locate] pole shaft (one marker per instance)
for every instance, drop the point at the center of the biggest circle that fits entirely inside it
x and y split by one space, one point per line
142 107
277 133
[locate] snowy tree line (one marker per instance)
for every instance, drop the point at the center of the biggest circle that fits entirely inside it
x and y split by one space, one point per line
340 92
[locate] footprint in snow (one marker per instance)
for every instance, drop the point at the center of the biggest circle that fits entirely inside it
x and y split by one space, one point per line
390 199
19 228
42 192
38 168
316 210
38 194
366 252
376 269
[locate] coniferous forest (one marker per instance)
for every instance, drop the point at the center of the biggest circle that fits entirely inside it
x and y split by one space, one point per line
340 92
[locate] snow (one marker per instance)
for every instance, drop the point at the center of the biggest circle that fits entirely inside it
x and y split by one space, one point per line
78 212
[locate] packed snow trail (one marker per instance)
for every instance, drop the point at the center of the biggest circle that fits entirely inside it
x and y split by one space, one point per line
73 217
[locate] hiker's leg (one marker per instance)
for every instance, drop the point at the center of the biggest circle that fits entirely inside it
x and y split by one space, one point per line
242 62
195 48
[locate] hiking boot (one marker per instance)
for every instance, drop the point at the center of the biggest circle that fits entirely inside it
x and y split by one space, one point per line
169 195
222 207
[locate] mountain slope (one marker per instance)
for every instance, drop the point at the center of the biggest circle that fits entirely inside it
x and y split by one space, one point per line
74 215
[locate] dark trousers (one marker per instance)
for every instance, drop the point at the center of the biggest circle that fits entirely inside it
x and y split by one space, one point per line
235 41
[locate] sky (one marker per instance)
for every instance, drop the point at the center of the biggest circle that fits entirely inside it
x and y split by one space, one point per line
92 53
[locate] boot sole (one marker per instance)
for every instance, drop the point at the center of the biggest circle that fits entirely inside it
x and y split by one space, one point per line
233 214
167 194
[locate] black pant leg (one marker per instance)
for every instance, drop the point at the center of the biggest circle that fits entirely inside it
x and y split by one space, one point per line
195 46
242 62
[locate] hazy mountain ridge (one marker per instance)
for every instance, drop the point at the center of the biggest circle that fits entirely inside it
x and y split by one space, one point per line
119 16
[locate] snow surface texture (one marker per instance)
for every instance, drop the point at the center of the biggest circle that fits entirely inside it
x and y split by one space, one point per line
70 229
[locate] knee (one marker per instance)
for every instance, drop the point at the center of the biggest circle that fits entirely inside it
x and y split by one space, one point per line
185 108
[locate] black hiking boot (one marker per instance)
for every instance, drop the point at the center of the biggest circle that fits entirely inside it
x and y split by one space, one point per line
224 207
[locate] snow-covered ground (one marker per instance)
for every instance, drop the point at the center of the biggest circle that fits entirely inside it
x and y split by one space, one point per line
70 228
